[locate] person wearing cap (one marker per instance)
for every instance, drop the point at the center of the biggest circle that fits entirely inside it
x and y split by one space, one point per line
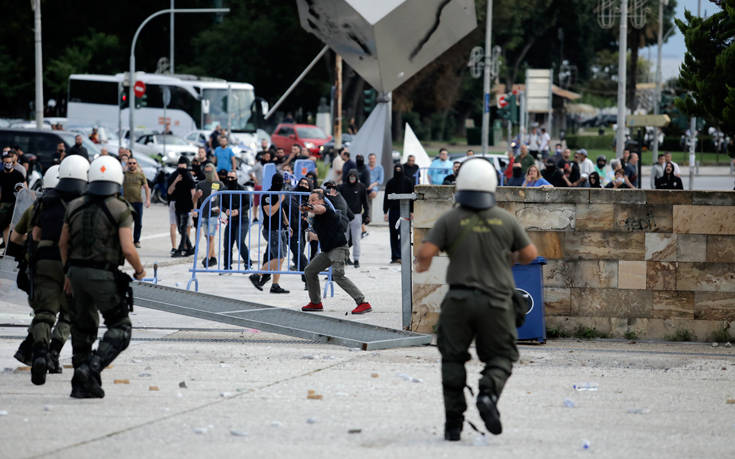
97 238
482 241
586 167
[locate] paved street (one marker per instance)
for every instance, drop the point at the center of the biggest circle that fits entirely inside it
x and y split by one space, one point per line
196 388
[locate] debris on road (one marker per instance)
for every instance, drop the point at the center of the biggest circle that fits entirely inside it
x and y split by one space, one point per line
121 381
354 431
182 385
591 387
153 388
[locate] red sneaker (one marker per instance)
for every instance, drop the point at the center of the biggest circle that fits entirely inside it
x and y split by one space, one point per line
362 308
311 307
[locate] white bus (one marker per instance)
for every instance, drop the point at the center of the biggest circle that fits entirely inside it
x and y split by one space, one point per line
196 103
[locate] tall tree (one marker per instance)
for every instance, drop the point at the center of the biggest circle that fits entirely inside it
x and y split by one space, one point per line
707 72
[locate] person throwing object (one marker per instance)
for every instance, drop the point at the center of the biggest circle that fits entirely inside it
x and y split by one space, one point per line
330 227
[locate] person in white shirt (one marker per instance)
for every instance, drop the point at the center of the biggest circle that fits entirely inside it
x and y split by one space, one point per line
586 167
533 143
543 143
677 172
657 171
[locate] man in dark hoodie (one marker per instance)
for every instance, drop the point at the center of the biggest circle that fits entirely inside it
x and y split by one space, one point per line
355 195
363 173
236 207
276 232
553 175
399 184
297 242
517 178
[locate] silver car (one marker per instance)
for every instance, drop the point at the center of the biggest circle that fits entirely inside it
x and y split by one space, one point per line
173 146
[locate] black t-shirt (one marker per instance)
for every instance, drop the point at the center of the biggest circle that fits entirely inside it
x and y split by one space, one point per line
8 180
274 222
326 226
555 177
182 193
78 150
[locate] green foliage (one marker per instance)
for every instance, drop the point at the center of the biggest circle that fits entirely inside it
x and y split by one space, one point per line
96 52
681 334
597 100
722 335
553 332
707 72
582 332
630 334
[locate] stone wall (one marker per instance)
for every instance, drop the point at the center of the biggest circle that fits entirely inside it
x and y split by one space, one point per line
646 263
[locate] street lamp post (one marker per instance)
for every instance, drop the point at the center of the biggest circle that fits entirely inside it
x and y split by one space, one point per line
131 82
486 78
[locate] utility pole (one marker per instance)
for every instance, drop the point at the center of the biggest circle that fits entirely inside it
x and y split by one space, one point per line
338 94
39 62
486 78
657 101
622 61
693 130
171 40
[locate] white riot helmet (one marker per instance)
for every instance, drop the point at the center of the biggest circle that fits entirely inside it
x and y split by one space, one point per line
476 183
51 177
73 175
105 176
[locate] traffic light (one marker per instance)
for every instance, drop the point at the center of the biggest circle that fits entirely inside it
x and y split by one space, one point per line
510 111
513 109
141 101
123 102
369 97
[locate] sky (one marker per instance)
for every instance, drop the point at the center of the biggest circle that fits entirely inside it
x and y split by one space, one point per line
674 49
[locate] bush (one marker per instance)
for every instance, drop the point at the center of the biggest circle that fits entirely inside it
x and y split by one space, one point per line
681 334
591 142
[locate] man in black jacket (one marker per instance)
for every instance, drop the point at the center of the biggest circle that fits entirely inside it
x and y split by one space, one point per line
334 252
78 148
180 191
355 195
399 184
553 175
236 207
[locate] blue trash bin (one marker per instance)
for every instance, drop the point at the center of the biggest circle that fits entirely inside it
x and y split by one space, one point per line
530 278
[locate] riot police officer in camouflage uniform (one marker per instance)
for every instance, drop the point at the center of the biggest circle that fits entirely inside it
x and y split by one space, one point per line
482 242
45 273
95 240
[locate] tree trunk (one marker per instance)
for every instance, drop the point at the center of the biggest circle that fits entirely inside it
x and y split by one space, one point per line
517 63
632 76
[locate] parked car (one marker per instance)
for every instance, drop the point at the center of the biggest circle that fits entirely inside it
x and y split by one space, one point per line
308 136
153 144
43 142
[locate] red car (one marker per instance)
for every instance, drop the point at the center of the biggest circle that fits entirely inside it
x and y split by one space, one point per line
308 136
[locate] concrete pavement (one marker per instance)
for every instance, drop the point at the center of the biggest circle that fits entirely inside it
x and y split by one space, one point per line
188 387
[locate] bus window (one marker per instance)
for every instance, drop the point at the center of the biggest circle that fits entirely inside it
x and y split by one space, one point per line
93 92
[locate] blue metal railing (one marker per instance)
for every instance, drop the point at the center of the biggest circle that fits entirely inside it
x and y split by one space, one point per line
214 204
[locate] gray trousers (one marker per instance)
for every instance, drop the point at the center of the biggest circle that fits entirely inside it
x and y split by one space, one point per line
336 259
355 229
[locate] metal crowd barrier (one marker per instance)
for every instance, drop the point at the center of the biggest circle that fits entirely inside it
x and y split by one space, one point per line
255 245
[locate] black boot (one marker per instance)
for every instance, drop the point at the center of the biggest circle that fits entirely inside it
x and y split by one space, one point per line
39 367
487 406
24 354
53 356
453 426
86 383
